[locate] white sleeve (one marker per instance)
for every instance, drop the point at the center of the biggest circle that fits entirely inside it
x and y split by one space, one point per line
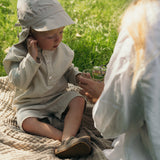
151 101
150 86
109 113
108 117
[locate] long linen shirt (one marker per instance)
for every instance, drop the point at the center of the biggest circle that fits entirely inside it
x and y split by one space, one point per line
37 84
133 118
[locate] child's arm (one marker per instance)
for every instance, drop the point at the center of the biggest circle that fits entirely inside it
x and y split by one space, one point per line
20 66
71 74
22 74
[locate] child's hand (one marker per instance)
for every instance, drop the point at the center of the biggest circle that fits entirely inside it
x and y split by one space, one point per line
32 48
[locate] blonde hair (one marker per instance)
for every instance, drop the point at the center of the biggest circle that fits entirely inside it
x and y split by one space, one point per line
134 20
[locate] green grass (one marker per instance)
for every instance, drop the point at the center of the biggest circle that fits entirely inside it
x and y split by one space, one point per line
8 32
92 37
95 31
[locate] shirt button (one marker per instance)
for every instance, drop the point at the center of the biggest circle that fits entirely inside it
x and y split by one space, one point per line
50 77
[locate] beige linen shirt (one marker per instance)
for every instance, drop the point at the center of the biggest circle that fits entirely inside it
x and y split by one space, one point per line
40 85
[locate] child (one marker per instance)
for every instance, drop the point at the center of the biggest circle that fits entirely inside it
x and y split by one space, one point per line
40 66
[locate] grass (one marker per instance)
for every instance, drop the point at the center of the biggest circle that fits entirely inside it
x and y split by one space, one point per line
95 31
92 37
8 32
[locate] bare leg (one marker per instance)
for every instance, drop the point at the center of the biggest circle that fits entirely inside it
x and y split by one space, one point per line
34 126
73 118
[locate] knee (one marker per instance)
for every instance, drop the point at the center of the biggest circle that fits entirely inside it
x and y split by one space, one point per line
77 102
81 101
28 124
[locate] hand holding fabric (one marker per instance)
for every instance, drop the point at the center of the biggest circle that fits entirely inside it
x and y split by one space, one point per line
92 89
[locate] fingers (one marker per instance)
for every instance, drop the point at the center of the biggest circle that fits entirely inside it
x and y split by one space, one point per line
84 80
86 75
85 93
88 97
31 42
82 91
32 48
93 87
85 83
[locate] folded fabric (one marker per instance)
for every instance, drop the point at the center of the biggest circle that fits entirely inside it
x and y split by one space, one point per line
16 144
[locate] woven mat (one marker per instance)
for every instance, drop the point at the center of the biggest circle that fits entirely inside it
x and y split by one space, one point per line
18 145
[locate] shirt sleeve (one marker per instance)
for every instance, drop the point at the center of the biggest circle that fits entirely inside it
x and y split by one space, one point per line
151 101
111 113
71 74
150 85
20 67
108 118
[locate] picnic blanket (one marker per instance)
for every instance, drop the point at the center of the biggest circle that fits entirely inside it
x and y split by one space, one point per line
18 145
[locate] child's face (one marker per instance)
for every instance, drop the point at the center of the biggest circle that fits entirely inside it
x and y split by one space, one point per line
49 40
